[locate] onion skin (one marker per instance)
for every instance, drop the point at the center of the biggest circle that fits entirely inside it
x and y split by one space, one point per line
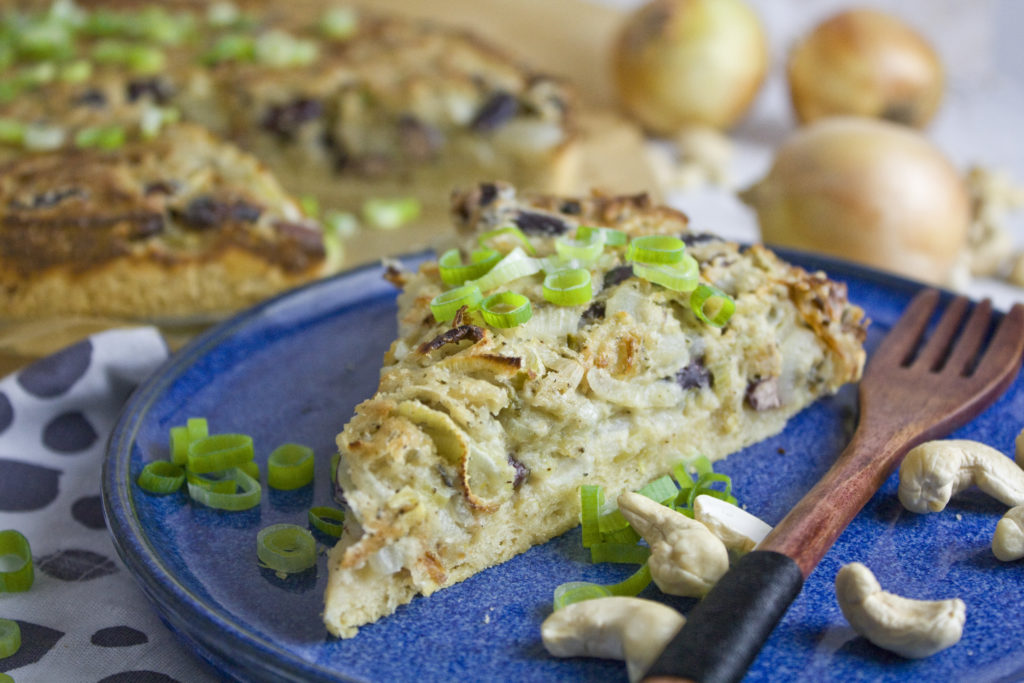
689 62
865 63
869 191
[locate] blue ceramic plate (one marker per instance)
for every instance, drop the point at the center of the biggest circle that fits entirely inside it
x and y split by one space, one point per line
293 369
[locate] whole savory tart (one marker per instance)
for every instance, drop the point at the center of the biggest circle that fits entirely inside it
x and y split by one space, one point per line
348 109
180 225
481 431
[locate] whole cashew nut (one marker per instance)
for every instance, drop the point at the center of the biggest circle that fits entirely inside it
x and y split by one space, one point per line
1008 539
934 471
911 628
686 558
632 629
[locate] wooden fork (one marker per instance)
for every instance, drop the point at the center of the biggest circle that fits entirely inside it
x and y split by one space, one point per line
914 389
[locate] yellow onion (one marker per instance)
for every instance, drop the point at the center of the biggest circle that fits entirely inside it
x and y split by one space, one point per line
866 63
865 190
685 62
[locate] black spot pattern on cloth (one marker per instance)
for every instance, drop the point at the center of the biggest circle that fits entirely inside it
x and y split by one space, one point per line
6 412
69 433
75 565
54 375
118 636
26 487
36 641
139 676
88 511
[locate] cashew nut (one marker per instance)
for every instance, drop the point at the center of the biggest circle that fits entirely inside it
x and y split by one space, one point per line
911 628
936 470
739 530
686 558
632 629
1008 540
1018 449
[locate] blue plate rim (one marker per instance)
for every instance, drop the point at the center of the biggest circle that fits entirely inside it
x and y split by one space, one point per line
243 649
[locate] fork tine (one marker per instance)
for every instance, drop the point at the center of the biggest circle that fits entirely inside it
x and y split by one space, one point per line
971 338
1006 346
896 348
936 348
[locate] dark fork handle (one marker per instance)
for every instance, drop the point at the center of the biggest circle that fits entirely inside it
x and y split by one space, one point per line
725 631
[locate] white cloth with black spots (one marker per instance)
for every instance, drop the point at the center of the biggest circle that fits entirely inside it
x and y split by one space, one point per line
85 618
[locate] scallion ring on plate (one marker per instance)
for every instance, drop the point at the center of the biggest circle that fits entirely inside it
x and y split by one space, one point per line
492 237
286 548
290 466
585 249
161 476
506 309
712 305
250 468
682 276
612 236
455 272
219 452
514 265
568 287
10 637
578 591
194 429
217 482
16 571
445 305
327 519
247 496
656 249
634 583
624 553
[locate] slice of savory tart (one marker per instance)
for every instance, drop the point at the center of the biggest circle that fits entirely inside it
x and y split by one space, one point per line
480 433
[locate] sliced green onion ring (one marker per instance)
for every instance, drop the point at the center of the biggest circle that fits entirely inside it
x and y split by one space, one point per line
514 265
217 482
161 476
681 276
10 638
327 519
251 468
656 249
455 272
219 452
712 305
290 466
286 548
506 309
388 214
612 236
247 497
486 239
16 571
445 305
661 490
633 584
578 591
585 249
568 287
198 428
591 502
626 553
